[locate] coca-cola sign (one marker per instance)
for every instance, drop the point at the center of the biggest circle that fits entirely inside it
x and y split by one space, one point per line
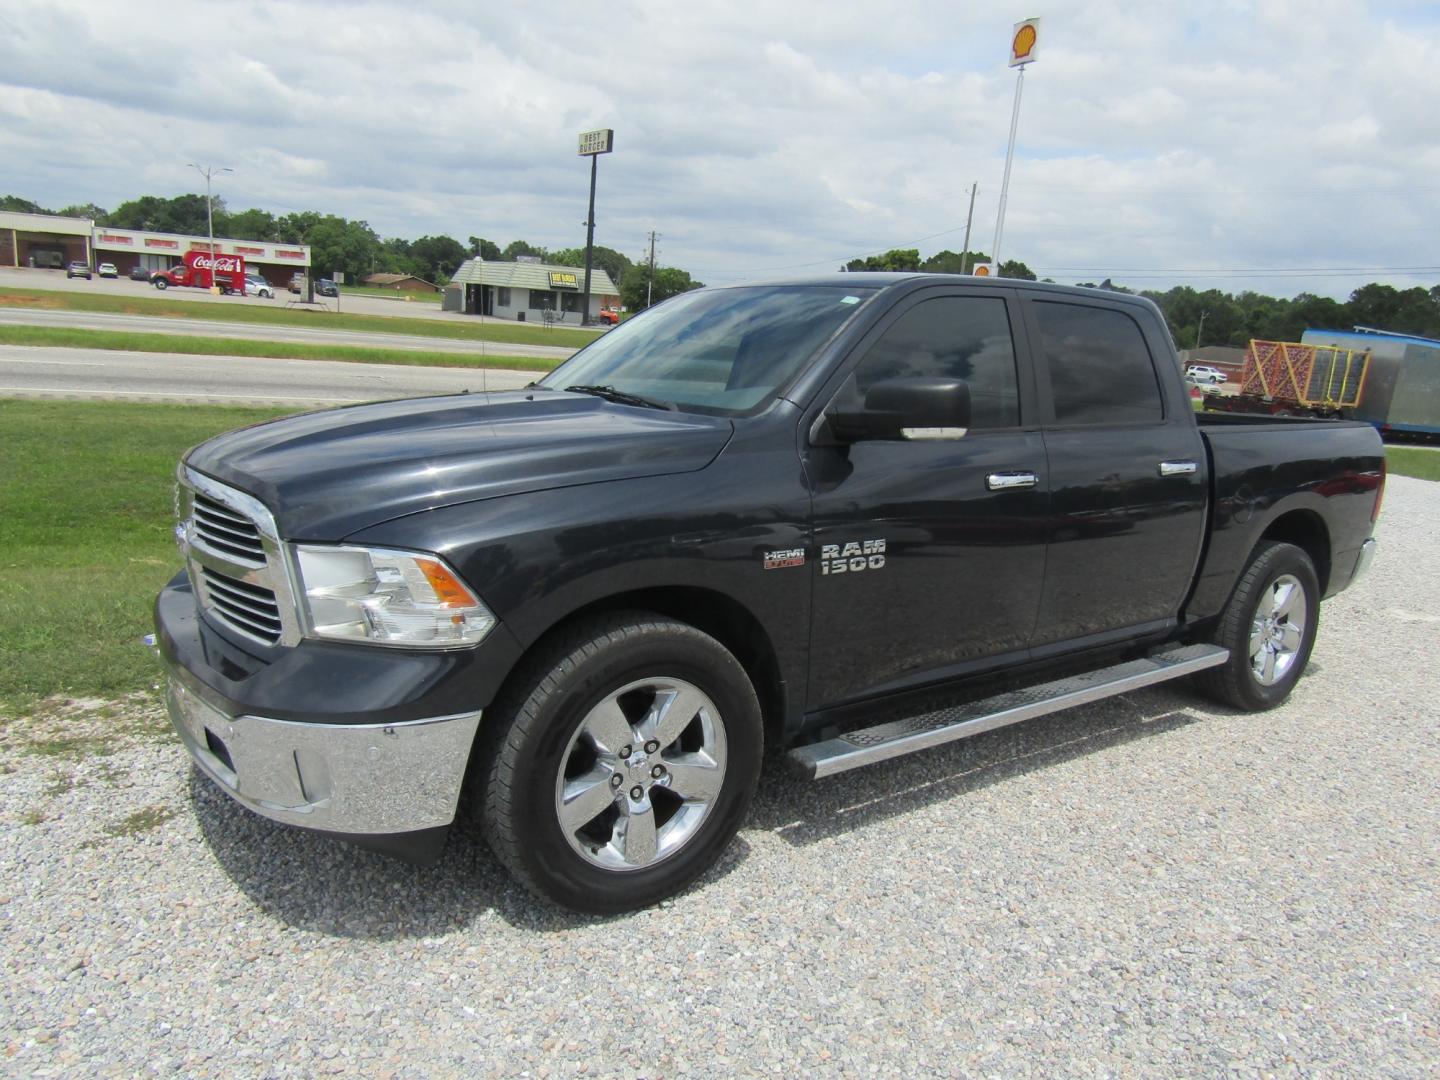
226 264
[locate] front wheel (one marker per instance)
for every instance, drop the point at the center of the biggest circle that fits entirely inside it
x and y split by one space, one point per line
1269 626
161 283
620 767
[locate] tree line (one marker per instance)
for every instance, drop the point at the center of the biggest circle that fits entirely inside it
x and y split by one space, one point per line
355 249
1206 317
1214 317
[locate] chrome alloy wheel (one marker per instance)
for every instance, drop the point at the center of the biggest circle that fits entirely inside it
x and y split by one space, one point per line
641 773
1278 630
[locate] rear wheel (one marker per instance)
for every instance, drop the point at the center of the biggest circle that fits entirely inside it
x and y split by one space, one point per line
622 764
1269 626
161 283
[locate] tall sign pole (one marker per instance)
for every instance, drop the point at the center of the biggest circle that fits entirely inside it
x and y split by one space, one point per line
208 171
1024 39
592 145
969 217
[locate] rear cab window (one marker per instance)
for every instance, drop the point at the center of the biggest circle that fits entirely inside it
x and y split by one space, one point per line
1100 369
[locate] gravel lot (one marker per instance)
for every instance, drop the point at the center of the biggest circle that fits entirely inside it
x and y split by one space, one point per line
1144 887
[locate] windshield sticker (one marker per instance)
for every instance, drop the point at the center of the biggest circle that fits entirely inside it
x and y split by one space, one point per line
850 300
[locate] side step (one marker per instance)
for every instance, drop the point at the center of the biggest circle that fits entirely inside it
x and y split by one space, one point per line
898 737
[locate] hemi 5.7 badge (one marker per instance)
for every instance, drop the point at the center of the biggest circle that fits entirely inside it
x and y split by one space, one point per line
779 560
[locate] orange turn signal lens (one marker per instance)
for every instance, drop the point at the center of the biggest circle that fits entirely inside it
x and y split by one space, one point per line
448 589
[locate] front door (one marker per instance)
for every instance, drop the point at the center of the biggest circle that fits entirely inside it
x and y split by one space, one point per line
928 557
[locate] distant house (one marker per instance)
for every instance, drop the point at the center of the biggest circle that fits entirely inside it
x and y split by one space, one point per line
528 290
400 282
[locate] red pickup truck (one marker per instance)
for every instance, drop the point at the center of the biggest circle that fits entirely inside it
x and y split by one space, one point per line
227 271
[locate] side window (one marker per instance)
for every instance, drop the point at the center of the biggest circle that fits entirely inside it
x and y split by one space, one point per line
1100 370
963 337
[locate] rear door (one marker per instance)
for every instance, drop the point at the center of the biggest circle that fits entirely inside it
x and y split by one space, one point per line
928 557
1127 470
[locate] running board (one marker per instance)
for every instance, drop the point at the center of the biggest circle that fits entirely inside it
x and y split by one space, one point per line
891 740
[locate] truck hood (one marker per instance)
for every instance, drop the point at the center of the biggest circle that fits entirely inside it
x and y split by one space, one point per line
328 474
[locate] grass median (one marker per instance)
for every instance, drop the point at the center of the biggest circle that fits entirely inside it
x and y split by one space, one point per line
251 311
86 539
1408 461
126 341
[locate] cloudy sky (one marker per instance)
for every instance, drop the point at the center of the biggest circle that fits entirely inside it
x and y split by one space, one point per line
1275 145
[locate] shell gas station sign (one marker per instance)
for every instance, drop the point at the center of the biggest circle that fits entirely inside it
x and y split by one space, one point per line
984 270
1024 40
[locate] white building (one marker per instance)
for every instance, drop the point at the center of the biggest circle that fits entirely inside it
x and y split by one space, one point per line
527 291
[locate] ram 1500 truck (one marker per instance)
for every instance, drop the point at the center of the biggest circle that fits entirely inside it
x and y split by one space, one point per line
848 517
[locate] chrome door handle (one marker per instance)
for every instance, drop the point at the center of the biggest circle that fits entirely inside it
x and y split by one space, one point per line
1178 468
1004 481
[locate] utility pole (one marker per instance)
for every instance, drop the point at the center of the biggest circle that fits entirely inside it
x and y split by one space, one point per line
965 251
1200 329
207 172
650 284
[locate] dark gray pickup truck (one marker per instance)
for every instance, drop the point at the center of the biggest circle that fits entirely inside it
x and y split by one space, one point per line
847 518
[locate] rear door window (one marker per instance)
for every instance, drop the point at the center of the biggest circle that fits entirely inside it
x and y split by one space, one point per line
1101 371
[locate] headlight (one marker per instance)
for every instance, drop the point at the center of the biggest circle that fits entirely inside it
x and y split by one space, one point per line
388 597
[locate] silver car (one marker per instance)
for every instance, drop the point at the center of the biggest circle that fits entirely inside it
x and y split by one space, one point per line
258 286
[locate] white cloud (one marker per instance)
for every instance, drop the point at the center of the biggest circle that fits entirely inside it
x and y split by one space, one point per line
760 136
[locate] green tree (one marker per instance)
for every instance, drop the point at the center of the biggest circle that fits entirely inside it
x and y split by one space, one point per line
95 213
1014 268
484 249
183 214
611 261
441 256
897 259
16 205
248 225
520 247
669 282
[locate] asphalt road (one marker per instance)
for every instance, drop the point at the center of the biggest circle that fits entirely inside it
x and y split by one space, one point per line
155 324
80 374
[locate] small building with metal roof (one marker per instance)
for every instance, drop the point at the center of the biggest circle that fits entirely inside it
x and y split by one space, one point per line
528 291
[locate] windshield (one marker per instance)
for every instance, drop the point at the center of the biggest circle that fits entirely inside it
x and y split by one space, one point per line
723 351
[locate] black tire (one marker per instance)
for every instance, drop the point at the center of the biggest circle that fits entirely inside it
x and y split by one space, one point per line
161 283
1237 682
532 736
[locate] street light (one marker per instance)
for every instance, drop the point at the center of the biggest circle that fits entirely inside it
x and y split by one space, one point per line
207 172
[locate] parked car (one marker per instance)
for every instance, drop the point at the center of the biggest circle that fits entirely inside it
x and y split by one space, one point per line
107 270
141 273
258 286
326 287
1204 373
609 316
78 269
850 516
297 282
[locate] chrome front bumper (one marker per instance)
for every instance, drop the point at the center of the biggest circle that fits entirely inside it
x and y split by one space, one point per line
357 779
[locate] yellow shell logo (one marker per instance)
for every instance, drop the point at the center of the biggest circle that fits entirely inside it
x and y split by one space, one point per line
1024 43
982 271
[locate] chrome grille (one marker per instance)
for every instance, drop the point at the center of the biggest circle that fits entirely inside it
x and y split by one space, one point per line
248 607
236 561
226 530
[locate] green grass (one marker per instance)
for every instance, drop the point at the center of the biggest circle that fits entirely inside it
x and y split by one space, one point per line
390 294
1408 461
86 540
125 341
148 301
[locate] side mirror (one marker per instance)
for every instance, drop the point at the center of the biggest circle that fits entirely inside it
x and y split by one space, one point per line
914 407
